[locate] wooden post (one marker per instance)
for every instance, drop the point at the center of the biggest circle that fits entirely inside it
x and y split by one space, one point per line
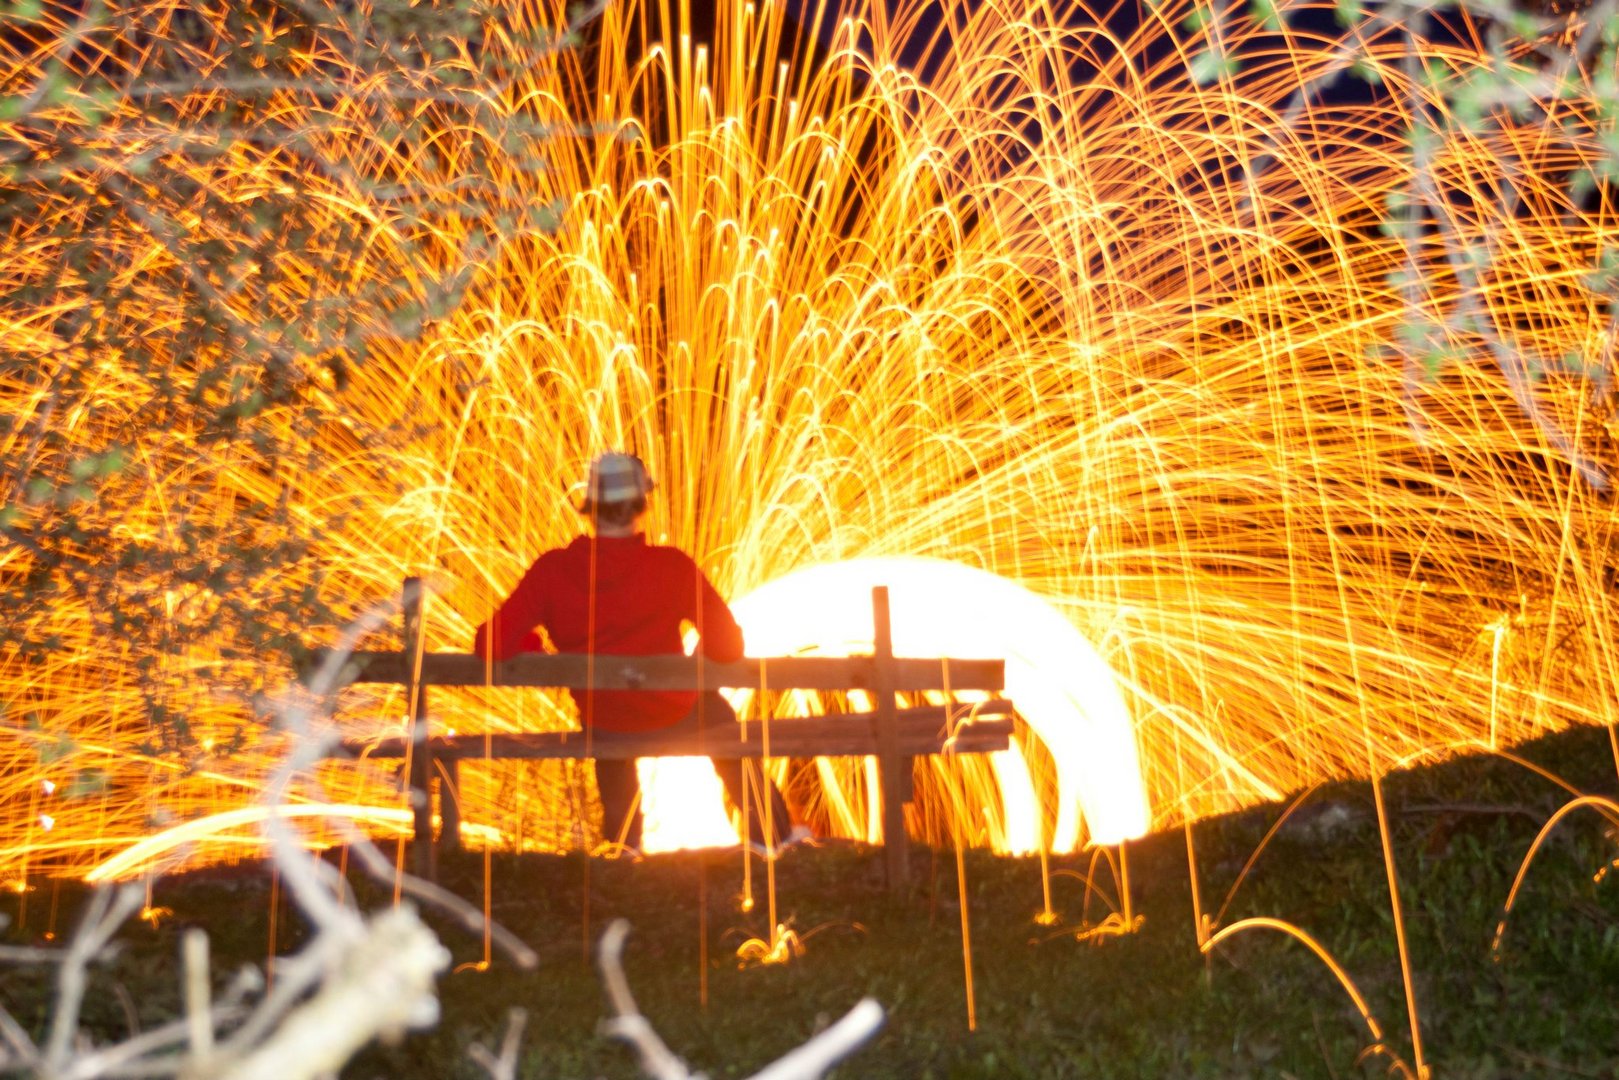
421 763
449 802
893 769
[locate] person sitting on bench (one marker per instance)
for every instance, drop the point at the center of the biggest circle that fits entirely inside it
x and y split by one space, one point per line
610 592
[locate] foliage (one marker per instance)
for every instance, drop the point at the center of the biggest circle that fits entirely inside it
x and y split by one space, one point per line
192 269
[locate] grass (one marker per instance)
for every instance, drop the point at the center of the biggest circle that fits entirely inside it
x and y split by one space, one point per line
1142 1005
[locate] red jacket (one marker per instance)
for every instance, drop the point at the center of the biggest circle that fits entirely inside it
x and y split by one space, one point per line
643 592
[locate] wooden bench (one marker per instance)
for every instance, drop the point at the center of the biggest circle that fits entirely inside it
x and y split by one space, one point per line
893 735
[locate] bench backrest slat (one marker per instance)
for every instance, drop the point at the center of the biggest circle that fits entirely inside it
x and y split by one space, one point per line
607 672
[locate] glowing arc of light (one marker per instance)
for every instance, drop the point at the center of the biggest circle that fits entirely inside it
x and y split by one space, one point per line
1059 683
1601 803
142 855
1338 972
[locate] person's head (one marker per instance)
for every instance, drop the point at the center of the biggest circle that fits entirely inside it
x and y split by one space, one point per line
615 493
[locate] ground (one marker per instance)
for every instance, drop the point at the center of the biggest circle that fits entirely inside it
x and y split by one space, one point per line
1048 1004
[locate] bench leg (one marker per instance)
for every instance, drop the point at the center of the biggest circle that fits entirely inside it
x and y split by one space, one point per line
894 774
421 806
449 804
421 760
893 768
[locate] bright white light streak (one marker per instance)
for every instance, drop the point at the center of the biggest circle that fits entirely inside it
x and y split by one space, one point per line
1057 680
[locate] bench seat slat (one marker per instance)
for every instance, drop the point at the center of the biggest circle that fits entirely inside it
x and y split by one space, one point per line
920 733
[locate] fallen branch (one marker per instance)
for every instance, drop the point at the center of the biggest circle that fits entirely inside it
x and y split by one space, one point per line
381 986
808 1062
503 1067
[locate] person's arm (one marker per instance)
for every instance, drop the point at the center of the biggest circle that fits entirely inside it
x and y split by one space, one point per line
718 635
511 629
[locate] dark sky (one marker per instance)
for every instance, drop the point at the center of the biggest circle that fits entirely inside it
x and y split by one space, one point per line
932 46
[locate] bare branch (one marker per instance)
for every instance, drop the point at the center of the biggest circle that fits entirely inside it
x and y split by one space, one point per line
22 1047
814 1058
108 910
503 1067
808 1062
123 1059
199 1018
627 1023
28 954
469 915
381 985
309 747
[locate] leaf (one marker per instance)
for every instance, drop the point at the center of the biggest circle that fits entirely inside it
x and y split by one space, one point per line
86 782
1366 71
1414 334
1525 25
1575 363
1211 66
56 751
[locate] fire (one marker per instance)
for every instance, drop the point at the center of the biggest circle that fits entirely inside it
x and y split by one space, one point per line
684 805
